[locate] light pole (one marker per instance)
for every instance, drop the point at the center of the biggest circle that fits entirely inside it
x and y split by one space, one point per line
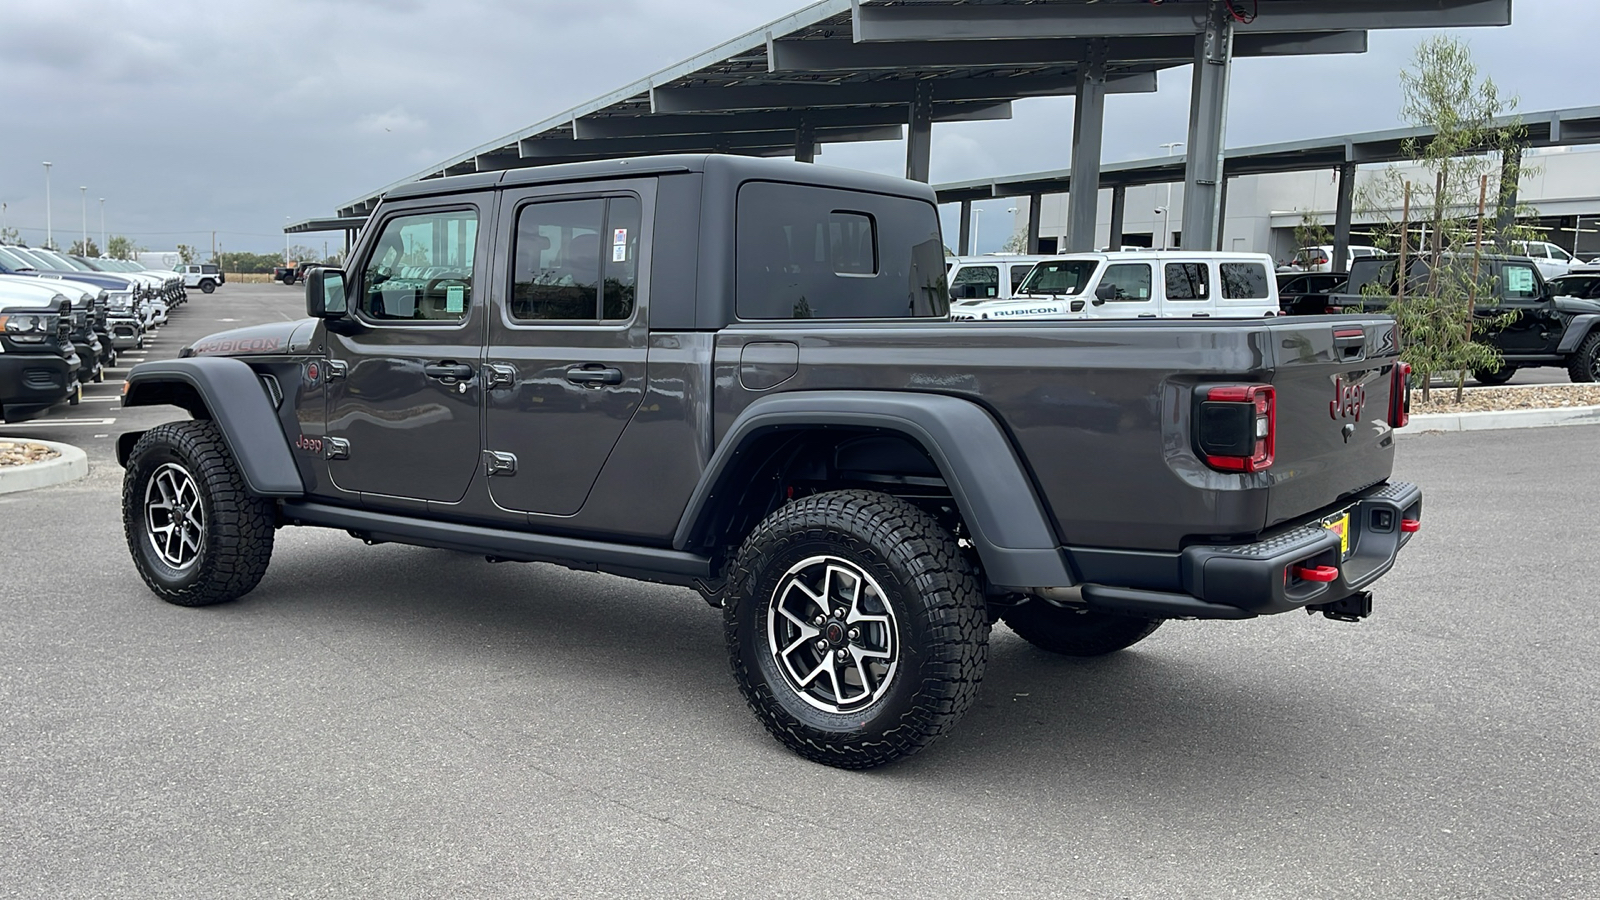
1012 212
83 195
1166 214
977 235
49 235
286 241
102 226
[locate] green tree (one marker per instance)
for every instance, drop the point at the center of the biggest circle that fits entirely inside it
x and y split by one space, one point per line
84 248
9 235
119 247
1017 243
186 254
1461 167
1311 232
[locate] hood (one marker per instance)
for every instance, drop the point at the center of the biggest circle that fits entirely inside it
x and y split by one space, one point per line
1577 306
256 340
1017 308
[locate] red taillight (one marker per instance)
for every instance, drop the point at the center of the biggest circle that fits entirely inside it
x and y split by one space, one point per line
1400 396
1237 427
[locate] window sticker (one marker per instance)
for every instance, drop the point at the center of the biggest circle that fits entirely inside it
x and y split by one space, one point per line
619 245
455 299
1519 280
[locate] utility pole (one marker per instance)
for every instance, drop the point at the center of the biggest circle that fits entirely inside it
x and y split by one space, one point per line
49 235
213 246
1166 211
83 195
102 226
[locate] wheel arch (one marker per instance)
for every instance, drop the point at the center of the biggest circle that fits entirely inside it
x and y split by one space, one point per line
228 392
1578 330
955 438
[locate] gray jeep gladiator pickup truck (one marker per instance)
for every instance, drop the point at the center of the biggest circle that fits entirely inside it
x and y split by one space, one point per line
738 375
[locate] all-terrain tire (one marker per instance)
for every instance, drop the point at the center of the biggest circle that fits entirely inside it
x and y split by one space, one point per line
917 597
232 533
1075 632
207 287
1584 366
1491 379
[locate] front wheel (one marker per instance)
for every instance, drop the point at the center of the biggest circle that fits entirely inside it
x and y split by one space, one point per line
197 535
855 627
1584 367
1076 632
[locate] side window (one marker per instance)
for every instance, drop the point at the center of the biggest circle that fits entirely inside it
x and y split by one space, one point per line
806 252
1017 274
421 269
1188 281
1132 282
576 260
1519 283
1244 281
976 283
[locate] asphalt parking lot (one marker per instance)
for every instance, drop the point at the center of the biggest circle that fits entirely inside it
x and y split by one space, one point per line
396 722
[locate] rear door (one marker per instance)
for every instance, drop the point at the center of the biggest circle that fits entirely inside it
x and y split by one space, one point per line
1187 289
565 362
975 282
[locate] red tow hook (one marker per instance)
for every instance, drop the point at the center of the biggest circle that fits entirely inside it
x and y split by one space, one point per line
1323 574
1411 526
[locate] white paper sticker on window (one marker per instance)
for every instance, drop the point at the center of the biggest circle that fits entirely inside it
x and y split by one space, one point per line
1519 280
619 245
455 299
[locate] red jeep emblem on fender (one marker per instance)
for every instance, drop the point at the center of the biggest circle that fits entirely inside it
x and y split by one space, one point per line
1348 399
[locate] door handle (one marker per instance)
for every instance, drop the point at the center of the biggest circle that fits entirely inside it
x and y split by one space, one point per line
594 377
448 371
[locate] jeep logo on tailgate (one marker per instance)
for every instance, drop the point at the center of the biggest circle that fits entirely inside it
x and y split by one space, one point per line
1348 399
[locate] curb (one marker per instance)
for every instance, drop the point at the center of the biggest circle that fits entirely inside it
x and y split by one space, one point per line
71 465
1510 418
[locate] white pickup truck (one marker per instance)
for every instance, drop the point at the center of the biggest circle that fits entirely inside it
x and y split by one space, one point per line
1137 284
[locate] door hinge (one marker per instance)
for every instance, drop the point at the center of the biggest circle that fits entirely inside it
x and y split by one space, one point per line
498 463
335 448
498 375
337 369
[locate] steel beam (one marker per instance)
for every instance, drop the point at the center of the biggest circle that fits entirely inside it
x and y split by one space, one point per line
1088 129
964 244
1208 119
848 56
1510 188
1343 214
986 21
858 93
1119 213
919 134
590 128
567 148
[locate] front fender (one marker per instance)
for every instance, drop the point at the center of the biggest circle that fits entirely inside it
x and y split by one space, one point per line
1008 525
1579 328
228 392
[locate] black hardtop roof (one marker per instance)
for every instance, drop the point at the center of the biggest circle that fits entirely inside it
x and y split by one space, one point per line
718 166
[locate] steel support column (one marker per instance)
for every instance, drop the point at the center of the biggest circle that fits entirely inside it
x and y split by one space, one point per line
805 141
964 245
919 136
1222 213
1510 186
1119 212
1344 213
1088 128
1035 213
1208 119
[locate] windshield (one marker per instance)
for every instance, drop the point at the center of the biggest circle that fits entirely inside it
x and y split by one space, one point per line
34 260
73 263
1065 276
16 261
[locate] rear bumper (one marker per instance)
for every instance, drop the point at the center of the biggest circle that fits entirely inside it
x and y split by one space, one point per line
31 384
1238 581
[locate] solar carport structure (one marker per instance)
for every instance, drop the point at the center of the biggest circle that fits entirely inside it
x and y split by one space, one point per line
863 70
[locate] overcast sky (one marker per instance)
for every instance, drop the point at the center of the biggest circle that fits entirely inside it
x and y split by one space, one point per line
232 116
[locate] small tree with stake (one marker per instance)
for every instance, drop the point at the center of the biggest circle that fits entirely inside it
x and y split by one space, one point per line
1439 276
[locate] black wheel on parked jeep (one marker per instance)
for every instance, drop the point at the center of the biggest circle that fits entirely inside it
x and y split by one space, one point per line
856 629
1584 366
207 287
1490 379
196 533
1075 632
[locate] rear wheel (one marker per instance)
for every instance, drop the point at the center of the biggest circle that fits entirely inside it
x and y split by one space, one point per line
1486 377
207 287
1076 632
1584 366
196 533
855 628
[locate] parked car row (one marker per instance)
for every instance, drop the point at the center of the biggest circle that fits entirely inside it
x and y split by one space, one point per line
64 319
1139 284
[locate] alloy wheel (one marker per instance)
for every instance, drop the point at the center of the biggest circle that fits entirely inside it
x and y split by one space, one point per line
174 516
833 634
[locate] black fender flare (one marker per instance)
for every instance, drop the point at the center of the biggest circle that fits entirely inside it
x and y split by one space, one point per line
1007 523
1579 328
230 394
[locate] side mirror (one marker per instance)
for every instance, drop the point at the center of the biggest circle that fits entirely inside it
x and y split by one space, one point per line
325 294
1103 293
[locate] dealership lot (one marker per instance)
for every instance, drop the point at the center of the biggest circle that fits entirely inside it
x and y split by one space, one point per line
390 721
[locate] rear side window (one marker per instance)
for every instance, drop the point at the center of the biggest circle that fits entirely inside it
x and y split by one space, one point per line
421 268
576 261
208 270
807 252
1244 281
1188 281
976 283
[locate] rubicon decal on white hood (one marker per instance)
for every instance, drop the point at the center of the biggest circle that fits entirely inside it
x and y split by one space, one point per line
1010 310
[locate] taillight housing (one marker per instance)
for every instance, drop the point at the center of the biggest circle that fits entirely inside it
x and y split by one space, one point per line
1400 396
1236 426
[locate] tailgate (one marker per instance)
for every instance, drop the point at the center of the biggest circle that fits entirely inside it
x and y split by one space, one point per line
1334 379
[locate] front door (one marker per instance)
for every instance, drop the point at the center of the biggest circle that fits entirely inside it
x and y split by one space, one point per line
1537 327
567 341
1125 291
403 393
